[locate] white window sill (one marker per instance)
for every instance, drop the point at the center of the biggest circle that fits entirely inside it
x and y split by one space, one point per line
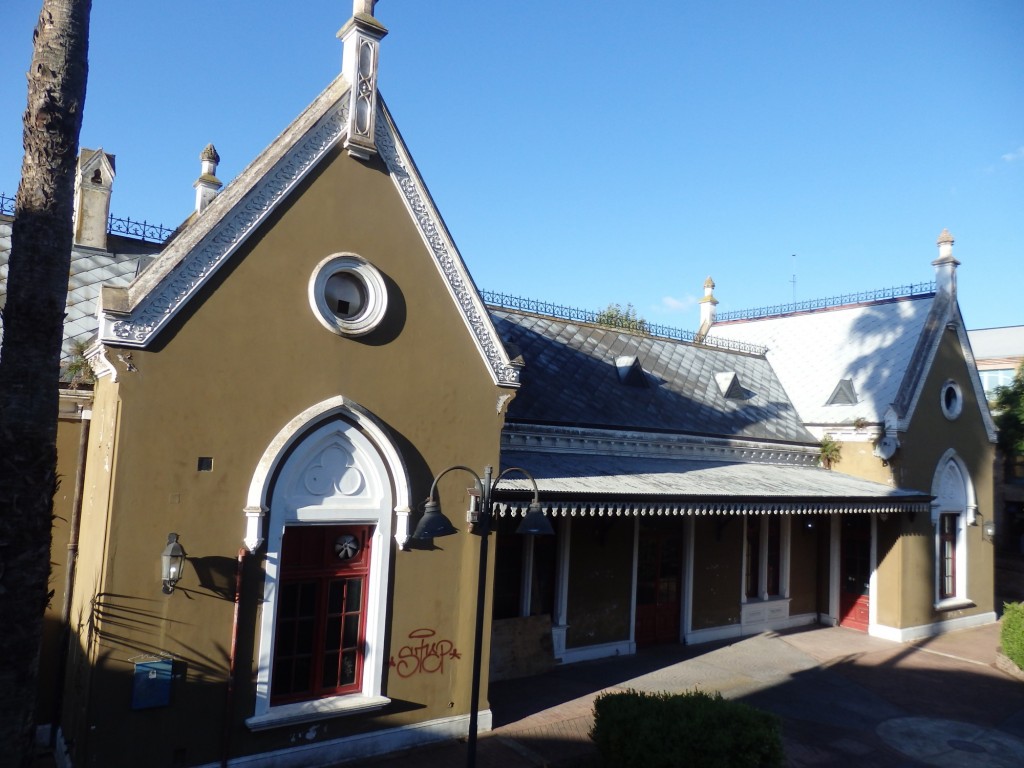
310 711
954 603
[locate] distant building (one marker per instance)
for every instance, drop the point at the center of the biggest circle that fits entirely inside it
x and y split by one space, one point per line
998 353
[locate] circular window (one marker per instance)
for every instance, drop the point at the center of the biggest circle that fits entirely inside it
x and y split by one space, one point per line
952 400
347 294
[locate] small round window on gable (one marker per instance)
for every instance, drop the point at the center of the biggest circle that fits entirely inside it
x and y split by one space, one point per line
952 400
348 294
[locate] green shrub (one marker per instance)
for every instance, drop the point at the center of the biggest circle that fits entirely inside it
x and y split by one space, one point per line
694 729
1011 636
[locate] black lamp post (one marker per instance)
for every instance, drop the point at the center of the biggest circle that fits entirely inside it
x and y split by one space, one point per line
434 524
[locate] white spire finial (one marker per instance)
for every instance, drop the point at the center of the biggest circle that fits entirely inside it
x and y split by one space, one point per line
361 38
707 307
207 185
945 265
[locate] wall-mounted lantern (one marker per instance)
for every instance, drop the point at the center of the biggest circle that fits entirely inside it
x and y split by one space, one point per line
988 530
172 561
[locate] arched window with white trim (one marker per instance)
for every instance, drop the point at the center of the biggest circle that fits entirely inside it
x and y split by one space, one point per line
953 510
328 527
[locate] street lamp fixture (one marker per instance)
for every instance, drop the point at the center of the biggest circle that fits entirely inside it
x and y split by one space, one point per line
434 524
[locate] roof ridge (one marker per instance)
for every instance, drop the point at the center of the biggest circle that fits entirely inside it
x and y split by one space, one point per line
877 296
546 309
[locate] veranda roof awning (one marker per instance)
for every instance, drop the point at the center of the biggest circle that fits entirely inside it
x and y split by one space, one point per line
598 485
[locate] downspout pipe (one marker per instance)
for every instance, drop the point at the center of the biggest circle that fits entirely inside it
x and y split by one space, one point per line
69 575
229 696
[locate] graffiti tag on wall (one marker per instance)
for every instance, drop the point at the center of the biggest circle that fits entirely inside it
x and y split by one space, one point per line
423 654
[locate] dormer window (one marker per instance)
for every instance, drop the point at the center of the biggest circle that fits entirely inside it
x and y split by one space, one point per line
631 373
729 385
843 394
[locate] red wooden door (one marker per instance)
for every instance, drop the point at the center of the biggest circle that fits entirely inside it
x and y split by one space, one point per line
659 581
855 572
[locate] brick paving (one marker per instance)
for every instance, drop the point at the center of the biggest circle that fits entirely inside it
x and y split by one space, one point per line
845 699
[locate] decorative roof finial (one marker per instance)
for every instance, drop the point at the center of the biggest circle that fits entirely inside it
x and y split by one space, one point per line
707 308
209 154
207 185
945 266
361 38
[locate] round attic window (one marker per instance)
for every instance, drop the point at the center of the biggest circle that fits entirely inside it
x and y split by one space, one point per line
348 294
952 400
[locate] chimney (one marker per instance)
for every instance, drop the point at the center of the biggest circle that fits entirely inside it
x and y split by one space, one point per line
94 180
207 185
945 266
707 308
360 38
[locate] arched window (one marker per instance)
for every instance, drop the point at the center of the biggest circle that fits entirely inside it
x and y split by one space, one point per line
328 538
952 511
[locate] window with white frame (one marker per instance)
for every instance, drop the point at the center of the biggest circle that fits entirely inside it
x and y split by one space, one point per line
320 634
951 510
947 555
766 556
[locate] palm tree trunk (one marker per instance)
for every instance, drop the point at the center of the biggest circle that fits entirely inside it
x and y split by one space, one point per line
33 326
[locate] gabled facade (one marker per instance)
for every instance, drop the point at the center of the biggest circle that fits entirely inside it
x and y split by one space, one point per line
268 391
892 379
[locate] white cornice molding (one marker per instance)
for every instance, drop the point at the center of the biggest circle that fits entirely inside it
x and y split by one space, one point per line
944 318
96 357
972 370
446 256
612 442
159 293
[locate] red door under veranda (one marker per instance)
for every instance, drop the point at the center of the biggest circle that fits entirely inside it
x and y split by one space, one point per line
659 581
854 571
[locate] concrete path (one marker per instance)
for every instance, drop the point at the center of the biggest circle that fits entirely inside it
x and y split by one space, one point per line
845 699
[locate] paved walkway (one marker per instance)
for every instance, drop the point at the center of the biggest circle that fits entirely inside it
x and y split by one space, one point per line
845 699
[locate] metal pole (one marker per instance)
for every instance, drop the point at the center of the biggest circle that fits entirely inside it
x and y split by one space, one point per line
483 529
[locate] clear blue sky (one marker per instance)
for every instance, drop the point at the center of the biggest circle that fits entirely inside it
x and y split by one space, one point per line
590 151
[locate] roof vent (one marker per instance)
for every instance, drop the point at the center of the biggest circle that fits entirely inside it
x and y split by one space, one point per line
843 394
631 373
729 385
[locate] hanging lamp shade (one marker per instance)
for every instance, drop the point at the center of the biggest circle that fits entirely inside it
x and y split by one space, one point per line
433 524
535 523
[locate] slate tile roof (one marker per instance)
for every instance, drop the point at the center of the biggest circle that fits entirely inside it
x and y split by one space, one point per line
90 269
570 378
870 344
